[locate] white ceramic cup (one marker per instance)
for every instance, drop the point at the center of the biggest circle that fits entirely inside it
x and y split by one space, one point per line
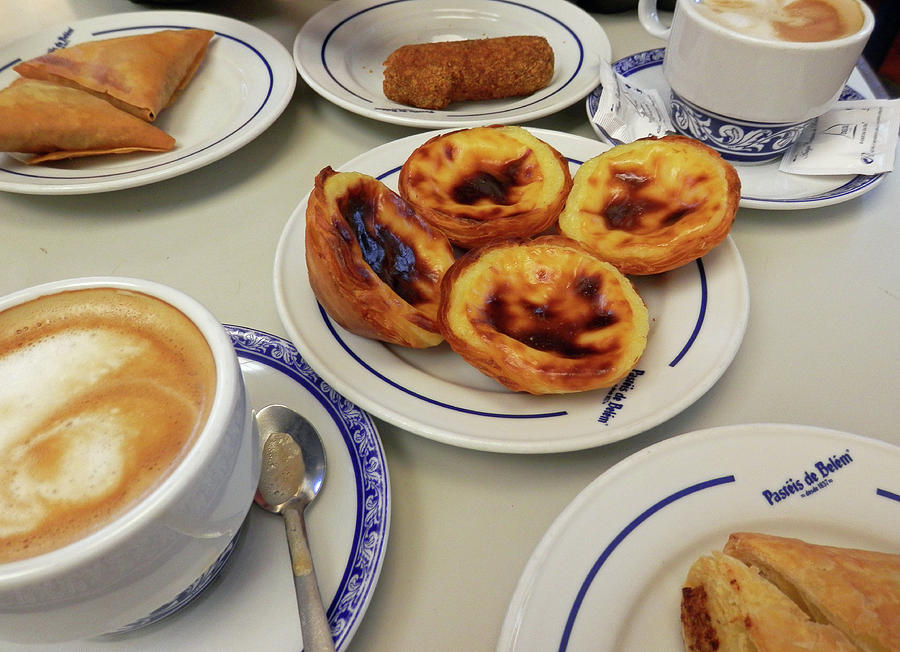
748 97
157 555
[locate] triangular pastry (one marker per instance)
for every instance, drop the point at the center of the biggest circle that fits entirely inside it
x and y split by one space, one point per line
140 74
856 591
57 122
726 606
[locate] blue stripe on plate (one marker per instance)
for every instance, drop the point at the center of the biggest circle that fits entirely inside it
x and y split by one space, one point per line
620 537
186 155
704 295
10 64
462 115
884 493
369 468
422 397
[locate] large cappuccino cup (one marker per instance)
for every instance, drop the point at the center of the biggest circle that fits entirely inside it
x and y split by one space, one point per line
740 80
128 456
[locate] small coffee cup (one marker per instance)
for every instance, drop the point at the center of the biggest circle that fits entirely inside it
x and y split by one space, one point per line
128 456
740 83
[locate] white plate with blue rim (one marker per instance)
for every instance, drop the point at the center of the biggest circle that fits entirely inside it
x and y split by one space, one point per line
252 598
339 53
698 315
764 185
244 83
607 574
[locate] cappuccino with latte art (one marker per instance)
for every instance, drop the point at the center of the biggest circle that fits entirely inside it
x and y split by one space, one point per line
102 392
786 20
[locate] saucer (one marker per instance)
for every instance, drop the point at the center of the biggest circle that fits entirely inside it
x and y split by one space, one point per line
252 599
763 185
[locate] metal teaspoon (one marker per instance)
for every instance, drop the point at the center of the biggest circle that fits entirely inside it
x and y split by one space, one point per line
293 471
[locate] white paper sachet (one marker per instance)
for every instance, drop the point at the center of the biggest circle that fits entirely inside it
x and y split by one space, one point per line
626 113
855 137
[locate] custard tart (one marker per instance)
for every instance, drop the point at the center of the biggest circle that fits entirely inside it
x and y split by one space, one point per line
652 205
374 265
542 316
479 184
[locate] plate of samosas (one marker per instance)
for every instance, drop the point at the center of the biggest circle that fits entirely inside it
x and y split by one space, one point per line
124 100
754 536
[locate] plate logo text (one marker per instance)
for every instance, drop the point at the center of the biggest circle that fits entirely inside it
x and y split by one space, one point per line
812 480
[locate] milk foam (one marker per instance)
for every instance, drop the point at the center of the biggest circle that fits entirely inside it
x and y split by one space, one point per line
53 369
50 372
100 392
90 464
785 20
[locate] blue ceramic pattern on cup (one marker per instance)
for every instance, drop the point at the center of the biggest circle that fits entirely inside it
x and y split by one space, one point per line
639 61
185 596
736 140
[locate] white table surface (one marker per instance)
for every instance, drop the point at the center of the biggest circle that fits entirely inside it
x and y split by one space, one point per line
822 345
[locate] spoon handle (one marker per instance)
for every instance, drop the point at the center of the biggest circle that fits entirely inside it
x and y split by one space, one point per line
313 621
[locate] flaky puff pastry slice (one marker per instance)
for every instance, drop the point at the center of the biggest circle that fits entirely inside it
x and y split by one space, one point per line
373 264
543 316
727 606
652 205
484 183
857 591
55 122
141 74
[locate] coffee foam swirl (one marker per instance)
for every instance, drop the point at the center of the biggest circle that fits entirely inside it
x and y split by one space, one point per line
786 20
96 406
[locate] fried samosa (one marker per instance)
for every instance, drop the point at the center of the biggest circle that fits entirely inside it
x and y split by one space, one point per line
57 122
140 74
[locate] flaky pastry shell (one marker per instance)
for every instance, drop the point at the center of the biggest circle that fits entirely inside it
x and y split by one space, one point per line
479 184
543 316
856 591
727 606
652 205
373 264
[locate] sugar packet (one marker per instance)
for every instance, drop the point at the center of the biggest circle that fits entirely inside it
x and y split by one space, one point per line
625 113
855 137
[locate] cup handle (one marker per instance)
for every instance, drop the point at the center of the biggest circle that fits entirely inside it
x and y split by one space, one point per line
649 17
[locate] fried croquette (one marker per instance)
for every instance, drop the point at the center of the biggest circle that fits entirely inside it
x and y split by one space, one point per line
432 75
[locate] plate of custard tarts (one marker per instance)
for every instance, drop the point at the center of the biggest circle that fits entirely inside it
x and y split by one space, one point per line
517 290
